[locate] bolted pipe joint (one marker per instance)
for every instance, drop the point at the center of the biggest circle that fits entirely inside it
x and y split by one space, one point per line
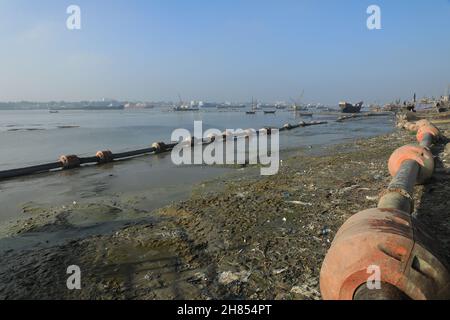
419 154
388 246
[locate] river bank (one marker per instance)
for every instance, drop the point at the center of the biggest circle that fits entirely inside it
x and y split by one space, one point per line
239 237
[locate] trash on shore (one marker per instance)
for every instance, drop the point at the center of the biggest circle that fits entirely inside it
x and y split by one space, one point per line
228 277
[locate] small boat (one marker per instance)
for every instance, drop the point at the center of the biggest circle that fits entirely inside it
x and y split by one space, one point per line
350 108
269 111
53 111
253 110
305 114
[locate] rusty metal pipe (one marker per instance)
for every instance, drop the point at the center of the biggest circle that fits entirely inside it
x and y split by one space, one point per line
427 140
400 190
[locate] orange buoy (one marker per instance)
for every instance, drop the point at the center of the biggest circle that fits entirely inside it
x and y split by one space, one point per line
393 242
423 122
266 131
104 156
69 161
159 147
411 126
412 152
430 129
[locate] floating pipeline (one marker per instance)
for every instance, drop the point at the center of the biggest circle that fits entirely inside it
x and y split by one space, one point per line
409 259
363 115
67 162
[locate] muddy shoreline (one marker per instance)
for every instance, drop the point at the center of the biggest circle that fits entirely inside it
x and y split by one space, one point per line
247 237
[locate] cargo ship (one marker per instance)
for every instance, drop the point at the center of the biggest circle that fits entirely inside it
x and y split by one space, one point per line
350 108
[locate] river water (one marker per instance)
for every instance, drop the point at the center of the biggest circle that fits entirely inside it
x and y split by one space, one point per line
29 137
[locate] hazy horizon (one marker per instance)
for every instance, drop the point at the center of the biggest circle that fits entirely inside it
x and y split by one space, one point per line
223 51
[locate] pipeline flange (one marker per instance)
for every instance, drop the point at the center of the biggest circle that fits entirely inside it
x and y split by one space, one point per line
392 241
105 156
413 152
159 147
427 129
70 161
287 126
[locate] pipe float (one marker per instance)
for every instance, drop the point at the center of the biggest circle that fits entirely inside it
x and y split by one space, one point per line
397 244
410 264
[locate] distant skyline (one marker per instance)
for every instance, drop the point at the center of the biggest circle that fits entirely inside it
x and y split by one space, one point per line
233 50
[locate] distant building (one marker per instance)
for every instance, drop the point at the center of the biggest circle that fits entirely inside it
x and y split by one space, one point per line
445 98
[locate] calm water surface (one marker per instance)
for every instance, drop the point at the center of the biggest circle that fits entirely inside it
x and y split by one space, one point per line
34 137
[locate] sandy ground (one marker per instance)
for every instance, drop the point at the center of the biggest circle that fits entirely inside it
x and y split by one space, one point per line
247 237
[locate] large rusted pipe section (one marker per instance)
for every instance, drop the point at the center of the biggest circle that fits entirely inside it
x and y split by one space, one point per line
388 239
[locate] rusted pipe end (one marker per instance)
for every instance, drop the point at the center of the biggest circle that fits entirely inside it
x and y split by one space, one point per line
388 246
416 153
104 156
69 161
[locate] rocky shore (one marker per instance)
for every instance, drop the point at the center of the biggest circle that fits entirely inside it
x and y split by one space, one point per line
247 237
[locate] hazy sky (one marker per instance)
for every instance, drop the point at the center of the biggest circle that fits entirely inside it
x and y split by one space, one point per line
223 50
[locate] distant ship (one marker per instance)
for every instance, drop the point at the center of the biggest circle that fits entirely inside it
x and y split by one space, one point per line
350 108
192 106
